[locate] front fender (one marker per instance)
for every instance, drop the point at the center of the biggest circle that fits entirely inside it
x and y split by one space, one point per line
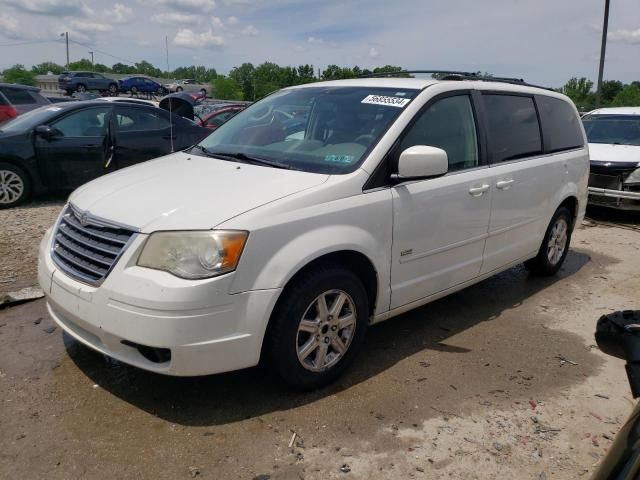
275 253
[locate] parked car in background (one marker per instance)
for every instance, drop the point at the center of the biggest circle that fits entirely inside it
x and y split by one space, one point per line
81 82
18 99
259 243
138 84
187 85
218 116
614 148
62 146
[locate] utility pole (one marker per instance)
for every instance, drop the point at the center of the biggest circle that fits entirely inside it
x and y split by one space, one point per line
91 53
603 48
66 37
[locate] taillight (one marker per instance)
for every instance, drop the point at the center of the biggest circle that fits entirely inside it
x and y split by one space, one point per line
7 112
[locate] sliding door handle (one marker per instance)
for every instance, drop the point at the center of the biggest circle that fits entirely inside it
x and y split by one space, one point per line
477 191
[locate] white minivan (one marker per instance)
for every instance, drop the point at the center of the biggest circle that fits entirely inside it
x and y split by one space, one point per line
312 214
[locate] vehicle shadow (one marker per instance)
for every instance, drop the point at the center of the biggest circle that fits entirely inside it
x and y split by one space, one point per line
232 397
627 218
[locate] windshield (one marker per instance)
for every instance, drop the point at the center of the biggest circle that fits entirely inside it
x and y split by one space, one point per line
29 120
618 129
315 129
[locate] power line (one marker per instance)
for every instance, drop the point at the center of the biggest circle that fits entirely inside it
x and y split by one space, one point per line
33 42
103 53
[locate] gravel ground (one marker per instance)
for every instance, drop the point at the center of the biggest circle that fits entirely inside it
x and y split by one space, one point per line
500 380
22 230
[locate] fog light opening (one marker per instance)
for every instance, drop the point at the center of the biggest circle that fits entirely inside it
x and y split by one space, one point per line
153 354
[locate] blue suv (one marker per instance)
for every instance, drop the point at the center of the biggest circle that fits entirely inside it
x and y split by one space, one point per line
81 82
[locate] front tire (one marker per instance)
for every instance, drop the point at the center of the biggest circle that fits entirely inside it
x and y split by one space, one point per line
80 88
555 245
317 328
15 186
179 89
203 92
113 89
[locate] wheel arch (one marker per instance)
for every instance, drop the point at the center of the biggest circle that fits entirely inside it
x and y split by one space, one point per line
354 260
19 165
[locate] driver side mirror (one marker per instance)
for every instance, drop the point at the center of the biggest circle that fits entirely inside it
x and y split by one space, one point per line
46 132
421 162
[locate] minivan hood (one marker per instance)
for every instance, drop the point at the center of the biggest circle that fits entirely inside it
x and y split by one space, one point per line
607 152
183 192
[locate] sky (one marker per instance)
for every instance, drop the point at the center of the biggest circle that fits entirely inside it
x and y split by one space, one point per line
543 41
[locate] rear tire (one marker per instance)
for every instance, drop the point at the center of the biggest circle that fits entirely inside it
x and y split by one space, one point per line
113 89
179 89
308 345
203 92
15 185
555 245
134 91
81 88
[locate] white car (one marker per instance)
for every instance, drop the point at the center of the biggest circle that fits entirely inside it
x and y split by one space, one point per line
263 243
614 145
187 85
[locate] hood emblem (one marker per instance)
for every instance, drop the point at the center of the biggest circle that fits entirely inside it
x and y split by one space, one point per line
84 219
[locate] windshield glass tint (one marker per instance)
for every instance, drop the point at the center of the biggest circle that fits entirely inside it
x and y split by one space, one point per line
315 129
31 119
618 129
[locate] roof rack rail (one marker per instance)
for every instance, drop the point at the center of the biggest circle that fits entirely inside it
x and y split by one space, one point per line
454 75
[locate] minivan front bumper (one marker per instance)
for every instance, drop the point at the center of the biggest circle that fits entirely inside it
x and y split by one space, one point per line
158 322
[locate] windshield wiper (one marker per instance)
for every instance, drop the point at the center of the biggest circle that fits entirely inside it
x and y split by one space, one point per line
243 157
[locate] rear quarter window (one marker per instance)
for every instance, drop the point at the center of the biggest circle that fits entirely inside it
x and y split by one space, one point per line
514 131
18 97
560 124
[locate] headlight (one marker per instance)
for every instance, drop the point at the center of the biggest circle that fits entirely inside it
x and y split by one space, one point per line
194 254
634 177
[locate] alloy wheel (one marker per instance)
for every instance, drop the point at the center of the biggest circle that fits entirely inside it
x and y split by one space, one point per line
557 241
326 330
11 187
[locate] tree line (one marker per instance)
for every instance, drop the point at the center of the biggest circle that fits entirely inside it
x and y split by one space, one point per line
249 82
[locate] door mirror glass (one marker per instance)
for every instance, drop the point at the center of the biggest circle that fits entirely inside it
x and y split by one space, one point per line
46 132
421 161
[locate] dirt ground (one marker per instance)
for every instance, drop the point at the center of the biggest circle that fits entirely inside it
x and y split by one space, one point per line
501 380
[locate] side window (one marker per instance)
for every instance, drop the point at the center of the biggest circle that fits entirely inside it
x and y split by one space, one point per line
447 124
560 124
514 131
132 119
84 123
219 119
17 96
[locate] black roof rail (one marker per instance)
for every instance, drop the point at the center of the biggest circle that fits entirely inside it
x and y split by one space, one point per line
454 75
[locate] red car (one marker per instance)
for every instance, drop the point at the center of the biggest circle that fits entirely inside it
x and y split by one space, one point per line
216 118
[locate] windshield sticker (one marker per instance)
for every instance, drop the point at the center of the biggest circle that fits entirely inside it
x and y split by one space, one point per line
341 159
388 101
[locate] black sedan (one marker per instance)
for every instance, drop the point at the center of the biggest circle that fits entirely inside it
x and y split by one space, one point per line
62 146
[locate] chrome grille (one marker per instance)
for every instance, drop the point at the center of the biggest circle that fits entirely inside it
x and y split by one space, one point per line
86 247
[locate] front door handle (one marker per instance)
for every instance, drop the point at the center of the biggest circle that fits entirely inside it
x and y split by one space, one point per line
504 184
477 191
